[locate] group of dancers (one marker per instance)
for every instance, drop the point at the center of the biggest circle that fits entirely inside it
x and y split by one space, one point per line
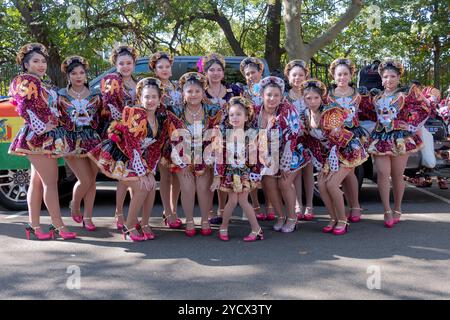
131 128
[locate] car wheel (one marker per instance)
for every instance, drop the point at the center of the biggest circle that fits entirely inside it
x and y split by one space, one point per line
13 188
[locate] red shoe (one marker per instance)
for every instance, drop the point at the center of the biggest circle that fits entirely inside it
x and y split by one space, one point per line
338 231
29 230
190 232
223 235
261 217
127 235
389 222
253 236
78 218
172 225
89 226
207 231
355 218
329 228
65 235
270 216
147 235
309 215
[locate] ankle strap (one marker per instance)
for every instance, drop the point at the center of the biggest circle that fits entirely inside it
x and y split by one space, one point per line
343 221
398 212
118 215
292 219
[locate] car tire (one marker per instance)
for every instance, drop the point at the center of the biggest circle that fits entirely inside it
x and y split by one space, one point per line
13 188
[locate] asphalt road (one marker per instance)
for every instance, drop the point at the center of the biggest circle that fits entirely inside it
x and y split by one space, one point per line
410 261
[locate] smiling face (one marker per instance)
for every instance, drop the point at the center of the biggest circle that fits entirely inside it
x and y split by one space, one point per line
390 79
272 97
78 76
125 65
252 75
296 76
193 93
342 76
150 98
163 69
237 116
215 73
36 64
313 100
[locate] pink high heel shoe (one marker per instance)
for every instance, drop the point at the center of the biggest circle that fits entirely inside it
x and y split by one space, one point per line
261 217
353 218
299 214
223 235
329 228
397 220
190 232
270 215
65 235
207 231
127 235
78 218
309 214
89 226
118 224
253 236
29 230
172 225
341 230
389 222
147 235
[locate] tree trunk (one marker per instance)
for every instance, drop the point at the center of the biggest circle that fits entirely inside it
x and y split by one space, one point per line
437 62
295 46
273 50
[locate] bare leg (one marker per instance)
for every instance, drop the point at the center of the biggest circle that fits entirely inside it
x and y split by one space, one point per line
34 197
286 186
328 202
248 210
164 190
333 187
255 201
298 184
308 178
270 185
136 203
174 193
228 211
121 194
222 196
187 197
383 164
89 198
147 211
47 169
204 194
81 167
398 165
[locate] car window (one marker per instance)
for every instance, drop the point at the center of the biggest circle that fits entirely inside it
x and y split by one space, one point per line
181 66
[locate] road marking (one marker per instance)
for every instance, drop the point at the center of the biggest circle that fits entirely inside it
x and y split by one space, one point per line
428 193
18 214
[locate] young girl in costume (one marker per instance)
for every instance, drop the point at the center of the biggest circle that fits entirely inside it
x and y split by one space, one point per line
41 139
237 177
80 108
